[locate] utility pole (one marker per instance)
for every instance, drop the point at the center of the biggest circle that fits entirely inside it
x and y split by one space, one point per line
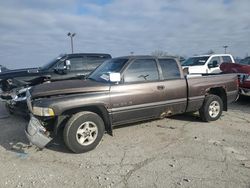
225 47
71 35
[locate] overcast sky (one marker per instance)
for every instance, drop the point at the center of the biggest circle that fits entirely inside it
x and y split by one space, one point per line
33 32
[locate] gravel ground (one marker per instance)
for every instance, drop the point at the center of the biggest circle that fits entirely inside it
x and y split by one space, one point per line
180 151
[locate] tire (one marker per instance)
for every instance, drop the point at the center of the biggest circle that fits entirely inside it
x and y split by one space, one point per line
83 132
211 109
9 108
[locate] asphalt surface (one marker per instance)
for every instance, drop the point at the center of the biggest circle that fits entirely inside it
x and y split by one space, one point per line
180 151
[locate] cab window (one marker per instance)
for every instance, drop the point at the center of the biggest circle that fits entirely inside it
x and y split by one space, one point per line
226 59
213 60
142 70
170 69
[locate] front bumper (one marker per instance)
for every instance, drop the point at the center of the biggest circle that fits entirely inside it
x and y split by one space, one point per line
36 133
244 91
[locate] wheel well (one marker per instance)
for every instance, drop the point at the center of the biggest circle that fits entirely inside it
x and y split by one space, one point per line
220 91
100 110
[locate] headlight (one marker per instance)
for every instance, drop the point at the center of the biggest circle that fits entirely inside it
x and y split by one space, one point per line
39 111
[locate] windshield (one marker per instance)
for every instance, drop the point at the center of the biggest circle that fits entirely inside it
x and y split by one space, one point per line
245 61
101 74
194 61
51 63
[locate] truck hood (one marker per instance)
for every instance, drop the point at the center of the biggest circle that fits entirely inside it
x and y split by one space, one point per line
67 87
17 73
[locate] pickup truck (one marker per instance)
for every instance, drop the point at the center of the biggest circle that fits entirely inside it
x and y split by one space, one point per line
67 66
206 64
14 83
243 70
120 91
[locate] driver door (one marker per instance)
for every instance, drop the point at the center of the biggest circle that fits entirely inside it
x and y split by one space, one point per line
138 97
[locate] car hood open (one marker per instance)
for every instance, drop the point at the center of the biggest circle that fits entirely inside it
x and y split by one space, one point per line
67 87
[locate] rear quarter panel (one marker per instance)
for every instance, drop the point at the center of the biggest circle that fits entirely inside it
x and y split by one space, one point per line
198 87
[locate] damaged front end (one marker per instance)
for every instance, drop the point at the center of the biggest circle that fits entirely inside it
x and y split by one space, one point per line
7 85
16 100
37 133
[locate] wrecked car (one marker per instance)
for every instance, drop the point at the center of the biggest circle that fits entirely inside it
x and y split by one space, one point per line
14 83
67 66
243 70
120 91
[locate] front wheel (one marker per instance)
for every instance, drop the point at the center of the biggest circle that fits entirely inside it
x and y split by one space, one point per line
211 109
83 132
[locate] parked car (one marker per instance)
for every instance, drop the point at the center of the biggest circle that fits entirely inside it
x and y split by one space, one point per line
243 70
120 91
67 66
2 69
206 64
15 83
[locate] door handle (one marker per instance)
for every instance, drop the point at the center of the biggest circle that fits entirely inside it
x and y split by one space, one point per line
161 87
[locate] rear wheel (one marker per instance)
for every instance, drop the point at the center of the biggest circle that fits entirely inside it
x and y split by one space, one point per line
83 132
211 109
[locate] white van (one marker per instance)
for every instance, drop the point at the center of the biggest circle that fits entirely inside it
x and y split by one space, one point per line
206 64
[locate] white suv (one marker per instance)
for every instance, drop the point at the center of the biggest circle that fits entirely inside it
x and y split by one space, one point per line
206 64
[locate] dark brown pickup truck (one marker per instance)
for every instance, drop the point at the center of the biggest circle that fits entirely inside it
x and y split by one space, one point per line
120 91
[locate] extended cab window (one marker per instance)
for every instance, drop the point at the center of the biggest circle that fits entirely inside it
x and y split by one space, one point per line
226 59
141 70
170 69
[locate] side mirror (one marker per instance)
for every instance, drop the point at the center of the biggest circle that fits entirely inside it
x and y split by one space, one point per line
114 77
67 65
63 67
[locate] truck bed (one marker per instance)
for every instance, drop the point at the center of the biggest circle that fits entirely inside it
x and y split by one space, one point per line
199 85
